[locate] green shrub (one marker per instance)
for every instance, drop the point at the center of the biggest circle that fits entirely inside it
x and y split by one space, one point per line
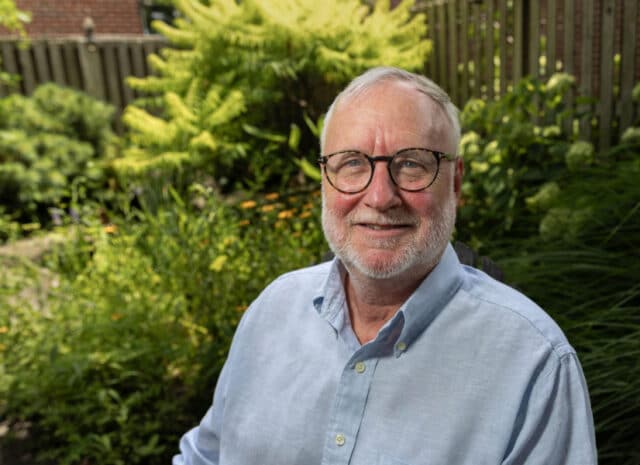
124 356
241 77
512 147
52 145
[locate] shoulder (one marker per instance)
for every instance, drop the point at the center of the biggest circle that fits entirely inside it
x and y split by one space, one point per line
309 278
513 311
289 294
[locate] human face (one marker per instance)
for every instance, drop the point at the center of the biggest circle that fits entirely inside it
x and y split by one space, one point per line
384 232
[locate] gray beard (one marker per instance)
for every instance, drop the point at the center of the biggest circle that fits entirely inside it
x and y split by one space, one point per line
414 255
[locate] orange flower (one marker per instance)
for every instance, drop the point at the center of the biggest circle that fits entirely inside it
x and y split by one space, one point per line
272 196
248 204
285 214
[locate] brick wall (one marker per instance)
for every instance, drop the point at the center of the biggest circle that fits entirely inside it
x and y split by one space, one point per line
63 17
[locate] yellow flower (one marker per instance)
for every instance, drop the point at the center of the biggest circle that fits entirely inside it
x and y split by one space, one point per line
285 214
272 196
241 308
244 223
111 229
116 316
305 214
248 204
4 329
268 208
218 263
479 167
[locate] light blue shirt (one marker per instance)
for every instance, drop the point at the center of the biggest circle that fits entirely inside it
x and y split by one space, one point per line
468 371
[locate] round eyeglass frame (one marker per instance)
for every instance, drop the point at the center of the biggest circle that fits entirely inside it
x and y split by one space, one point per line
388 158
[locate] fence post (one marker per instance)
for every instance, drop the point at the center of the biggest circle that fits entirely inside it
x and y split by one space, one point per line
91 70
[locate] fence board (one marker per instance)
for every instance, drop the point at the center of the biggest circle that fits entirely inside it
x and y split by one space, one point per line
57 64
72 65
552 26
518 39
463 95
503 45
112 76
124 65
586 62
92 71
568 45
606 73
41 62
489 51
476 47
453 48
568 41
28 71
628 64
532 37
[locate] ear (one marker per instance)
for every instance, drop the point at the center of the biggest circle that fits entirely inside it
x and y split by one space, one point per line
457 177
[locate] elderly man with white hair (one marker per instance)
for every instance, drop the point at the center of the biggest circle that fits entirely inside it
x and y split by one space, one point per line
394 353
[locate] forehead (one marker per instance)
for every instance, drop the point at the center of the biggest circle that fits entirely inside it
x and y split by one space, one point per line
386 117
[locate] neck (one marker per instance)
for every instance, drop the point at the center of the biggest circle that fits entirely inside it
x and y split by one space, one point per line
373 302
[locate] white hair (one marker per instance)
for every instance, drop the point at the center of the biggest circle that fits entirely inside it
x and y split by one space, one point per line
381 74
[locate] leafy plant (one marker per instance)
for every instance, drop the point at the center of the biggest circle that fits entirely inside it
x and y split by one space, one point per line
52 145
242 76
512 147
125 351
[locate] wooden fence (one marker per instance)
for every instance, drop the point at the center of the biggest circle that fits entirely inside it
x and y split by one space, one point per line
481 47
99 67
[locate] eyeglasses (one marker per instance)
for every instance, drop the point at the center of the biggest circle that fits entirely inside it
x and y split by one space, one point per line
411 169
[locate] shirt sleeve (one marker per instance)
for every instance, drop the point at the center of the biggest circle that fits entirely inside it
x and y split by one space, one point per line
555 423
201 445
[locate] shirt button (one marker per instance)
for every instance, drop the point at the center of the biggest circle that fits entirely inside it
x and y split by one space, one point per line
340 439
360 367
401 346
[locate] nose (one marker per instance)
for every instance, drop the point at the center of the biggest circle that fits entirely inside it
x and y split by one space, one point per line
382 193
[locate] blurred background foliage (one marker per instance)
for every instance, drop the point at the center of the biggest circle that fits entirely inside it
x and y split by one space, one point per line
112 335
243 81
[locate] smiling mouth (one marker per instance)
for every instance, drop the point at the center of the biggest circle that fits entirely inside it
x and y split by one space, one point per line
383 227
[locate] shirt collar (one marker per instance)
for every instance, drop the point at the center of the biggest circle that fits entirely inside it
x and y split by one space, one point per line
420 309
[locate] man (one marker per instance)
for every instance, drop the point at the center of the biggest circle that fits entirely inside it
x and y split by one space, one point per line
394 353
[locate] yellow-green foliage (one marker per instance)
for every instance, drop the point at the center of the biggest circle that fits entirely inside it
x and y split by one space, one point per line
264 63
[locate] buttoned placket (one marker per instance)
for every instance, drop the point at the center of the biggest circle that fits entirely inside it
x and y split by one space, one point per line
348 409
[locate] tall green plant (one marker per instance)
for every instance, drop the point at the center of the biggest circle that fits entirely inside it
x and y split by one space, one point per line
240 78
512 146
